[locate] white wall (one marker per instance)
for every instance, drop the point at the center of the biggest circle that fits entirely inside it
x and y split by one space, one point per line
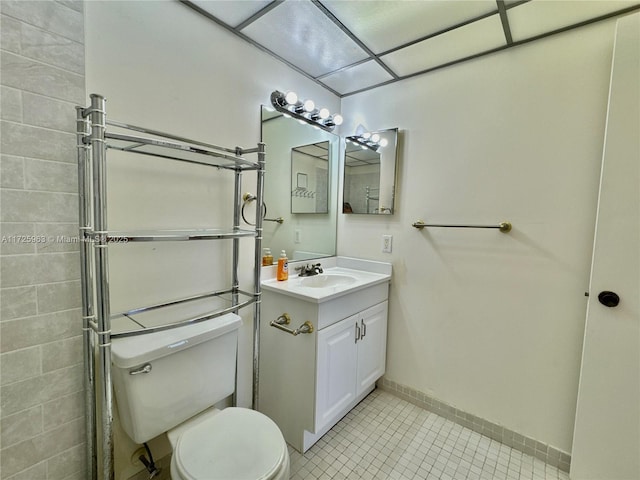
163 66
492 323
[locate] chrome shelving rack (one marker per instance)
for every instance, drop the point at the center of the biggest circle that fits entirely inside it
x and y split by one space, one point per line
94 139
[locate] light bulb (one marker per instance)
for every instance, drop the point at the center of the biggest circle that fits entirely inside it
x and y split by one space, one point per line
337 119
309 105
366 135
324 113
291 98
375 138
384 142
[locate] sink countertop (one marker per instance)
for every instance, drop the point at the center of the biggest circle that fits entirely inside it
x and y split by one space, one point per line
295 287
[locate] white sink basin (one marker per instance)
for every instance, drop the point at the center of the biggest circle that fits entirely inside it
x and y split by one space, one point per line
334 282
327 280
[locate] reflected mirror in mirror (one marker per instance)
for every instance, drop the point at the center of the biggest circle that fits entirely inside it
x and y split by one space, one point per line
304 234
310 178
370 165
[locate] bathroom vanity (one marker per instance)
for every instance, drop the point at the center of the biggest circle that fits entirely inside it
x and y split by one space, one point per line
317 367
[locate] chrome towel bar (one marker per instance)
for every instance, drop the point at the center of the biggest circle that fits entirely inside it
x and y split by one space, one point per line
285 319
504 227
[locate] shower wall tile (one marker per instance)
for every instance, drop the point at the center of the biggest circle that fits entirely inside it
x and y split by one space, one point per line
41 392
34 142
50 176
49 113
38 206
62 410
38 471
18 302
14 236
44 388
61 354
23 455
51 49
11 172
10 104
50 16
54 297
33 76
59 237
38 330
66 464
20 365
21 426
74 4
10 34
18 270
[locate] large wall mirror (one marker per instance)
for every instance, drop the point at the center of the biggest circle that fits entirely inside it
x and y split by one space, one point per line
370 172
301 187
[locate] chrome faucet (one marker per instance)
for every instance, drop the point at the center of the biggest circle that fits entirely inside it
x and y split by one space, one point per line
309 270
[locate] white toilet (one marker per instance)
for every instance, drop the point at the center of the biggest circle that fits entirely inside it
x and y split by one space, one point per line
168 381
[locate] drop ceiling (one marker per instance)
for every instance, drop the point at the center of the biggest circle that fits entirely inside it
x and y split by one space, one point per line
349 46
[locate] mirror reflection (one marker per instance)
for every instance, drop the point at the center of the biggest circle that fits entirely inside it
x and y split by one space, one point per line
310 178
301 185
370 173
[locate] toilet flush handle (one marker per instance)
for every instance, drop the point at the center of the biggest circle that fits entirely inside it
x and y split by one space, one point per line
146 368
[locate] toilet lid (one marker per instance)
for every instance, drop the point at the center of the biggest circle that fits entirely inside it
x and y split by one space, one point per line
237 443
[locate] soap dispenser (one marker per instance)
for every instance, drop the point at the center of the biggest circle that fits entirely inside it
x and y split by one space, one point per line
283 266
267 258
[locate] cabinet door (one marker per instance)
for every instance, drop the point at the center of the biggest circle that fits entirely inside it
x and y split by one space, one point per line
372 346
336 370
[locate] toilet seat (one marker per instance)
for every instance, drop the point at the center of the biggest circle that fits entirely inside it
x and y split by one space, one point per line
236 443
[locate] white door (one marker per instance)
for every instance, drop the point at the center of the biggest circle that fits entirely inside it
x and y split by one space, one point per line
606 443
336 370
372 345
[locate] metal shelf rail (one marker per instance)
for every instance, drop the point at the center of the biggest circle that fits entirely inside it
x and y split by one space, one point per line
94 138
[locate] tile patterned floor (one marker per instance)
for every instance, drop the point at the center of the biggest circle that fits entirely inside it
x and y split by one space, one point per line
388 438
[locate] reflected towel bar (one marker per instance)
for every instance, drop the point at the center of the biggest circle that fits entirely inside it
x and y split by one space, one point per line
504 227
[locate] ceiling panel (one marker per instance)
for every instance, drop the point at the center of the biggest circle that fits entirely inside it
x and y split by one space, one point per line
541 16
232 12
301 34
383 25
352 45
357 77
453 45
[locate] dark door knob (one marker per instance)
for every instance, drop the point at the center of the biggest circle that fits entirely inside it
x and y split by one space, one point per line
609 299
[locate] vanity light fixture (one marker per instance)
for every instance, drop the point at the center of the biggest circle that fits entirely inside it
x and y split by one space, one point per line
305 110
368 140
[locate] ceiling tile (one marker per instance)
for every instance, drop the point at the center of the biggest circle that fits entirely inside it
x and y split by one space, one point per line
354 78
462 42
232 12
300 33
542 16
383 25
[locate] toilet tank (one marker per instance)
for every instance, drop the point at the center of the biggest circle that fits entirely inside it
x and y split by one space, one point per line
163 378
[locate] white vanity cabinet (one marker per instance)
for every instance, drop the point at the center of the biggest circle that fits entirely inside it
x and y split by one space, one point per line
309 381
350 357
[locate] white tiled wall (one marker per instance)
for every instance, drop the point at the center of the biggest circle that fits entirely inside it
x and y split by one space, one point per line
42 419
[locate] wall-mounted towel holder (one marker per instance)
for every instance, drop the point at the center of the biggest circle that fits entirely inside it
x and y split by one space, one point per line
504 227
285 319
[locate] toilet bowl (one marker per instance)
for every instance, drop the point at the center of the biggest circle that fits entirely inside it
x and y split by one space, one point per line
232 444
169 381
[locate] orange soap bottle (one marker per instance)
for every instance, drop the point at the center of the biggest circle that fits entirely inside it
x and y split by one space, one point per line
283 266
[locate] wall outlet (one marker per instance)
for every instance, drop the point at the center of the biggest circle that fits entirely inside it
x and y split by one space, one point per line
387 241
297 236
